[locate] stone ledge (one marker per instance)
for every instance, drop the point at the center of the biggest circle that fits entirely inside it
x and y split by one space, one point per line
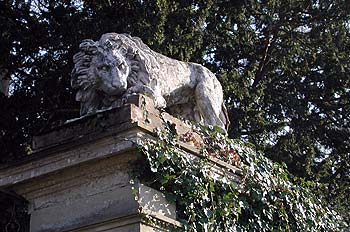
136 222
138 112
86 139
54 162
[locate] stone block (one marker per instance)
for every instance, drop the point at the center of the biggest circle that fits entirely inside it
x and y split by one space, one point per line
91 193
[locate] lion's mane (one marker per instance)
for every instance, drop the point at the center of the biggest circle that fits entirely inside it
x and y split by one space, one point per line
139 57
131 48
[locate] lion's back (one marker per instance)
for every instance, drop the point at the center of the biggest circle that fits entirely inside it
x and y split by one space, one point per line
157 71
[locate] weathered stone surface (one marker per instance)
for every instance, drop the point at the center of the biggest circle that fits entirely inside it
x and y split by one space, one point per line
109 71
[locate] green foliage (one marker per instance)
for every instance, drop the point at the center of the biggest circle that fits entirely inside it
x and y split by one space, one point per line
264 200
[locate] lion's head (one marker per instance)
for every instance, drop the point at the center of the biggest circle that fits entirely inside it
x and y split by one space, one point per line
105 69
100 72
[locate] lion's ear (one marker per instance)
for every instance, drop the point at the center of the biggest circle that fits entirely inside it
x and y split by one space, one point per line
87 45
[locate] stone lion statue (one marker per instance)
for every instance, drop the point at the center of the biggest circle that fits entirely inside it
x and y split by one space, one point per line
107 71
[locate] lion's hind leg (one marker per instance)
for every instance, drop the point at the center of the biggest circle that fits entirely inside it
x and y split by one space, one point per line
209 100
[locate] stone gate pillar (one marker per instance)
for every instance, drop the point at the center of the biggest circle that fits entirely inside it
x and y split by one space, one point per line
79 177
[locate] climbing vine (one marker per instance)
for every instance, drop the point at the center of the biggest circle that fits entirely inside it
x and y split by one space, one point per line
263 199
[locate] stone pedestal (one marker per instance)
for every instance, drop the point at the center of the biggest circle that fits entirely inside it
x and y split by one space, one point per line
79 177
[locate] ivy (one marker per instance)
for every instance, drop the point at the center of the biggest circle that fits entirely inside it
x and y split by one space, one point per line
264 199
